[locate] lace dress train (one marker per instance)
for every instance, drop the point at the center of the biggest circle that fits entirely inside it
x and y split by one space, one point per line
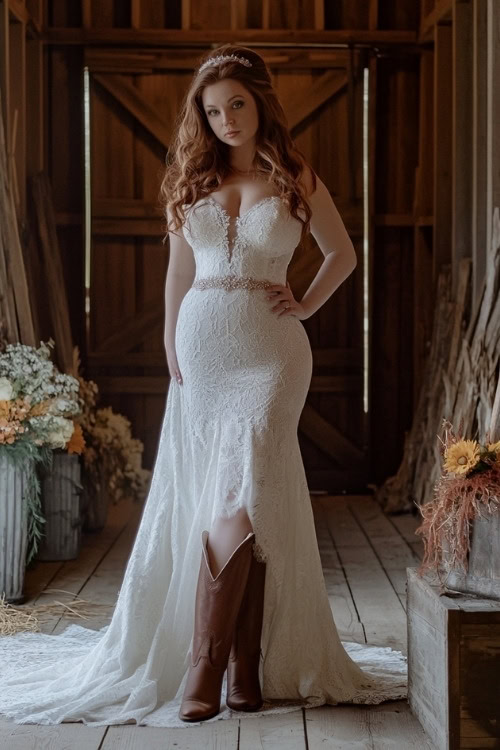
228 440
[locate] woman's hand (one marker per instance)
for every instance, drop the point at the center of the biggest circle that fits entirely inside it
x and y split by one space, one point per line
285 303
173 365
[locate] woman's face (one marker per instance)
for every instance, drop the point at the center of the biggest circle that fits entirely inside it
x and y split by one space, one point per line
230 107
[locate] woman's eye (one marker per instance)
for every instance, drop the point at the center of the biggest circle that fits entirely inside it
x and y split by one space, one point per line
211 111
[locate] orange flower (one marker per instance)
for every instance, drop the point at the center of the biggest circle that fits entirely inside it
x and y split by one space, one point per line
40 409
77 441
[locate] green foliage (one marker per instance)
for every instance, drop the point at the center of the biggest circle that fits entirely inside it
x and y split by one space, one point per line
26 456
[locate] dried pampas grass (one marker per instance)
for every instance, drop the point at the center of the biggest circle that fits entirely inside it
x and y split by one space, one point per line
28 618
458 501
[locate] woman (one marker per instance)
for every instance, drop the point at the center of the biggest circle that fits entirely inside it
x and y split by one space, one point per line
229 486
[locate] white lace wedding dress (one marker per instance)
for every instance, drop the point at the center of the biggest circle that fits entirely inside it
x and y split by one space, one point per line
228 439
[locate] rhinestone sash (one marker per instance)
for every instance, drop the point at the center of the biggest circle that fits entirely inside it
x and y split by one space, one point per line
231 282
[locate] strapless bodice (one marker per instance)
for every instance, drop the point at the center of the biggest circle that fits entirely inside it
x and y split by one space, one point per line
259 243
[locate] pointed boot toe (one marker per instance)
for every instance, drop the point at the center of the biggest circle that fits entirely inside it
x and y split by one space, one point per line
194 710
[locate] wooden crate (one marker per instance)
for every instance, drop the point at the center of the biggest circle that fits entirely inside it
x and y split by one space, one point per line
453 666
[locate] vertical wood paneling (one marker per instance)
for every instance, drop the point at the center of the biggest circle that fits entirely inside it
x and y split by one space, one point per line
347 14
65 168
285 15
136 264
462 136
397 146
215 15
443 87
17 110
480 213
393 14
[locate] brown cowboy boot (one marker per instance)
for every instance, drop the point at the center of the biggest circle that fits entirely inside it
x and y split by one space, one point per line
216 608
243 691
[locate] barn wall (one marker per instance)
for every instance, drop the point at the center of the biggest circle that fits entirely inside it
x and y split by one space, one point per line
416 223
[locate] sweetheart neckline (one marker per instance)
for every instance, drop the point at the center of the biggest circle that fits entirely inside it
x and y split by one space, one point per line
243 215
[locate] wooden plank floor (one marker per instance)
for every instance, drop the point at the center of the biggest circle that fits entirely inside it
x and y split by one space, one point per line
364 556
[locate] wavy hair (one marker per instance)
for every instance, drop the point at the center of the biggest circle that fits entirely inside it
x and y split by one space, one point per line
198 162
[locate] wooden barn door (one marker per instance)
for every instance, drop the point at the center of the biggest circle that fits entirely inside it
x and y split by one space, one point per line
134 97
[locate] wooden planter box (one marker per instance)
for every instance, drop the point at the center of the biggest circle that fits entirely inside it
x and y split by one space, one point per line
61 491
453 666
483 575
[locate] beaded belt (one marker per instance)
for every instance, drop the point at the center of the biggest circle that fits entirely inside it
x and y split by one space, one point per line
231 282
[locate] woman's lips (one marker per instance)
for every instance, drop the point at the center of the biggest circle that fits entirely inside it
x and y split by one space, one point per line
232 133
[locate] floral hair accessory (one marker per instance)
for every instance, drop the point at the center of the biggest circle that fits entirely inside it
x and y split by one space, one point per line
222 58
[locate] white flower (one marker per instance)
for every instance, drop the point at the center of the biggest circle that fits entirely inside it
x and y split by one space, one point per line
61 435
6 390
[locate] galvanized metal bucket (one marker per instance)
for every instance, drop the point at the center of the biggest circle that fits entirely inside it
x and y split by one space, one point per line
96 504
61 491
13 529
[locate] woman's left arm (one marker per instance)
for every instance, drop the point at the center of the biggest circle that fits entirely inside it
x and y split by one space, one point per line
340 260
331 235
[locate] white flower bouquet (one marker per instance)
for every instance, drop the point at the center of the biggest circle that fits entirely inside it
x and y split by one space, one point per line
37 407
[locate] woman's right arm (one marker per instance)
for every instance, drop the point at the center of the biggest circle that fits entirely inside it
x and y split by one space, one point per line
180 276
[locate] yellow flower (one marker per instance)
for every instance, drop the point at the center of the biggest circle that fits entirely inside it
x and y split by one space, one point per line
495 448
461 457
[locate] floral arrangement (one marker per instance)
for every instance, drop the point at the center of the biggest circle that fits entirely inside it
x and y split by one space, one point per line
121 454
469 488
110 451
38 405
37 402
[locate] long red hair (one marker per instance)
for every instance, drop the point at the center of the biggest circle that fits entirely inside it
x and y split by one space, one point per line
198 162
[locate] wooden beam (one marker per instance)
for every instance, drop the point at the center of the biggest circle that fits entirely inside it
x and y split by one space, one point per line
133 329
140 384
481 195
341 358
19 11
327 438
185 15
461 241
319 15
323 88
135 14
125 208
394 220
22 14
342 384
15 301
128 227
114 60
134 102
181 37
5 73
441 12
86 14
373 15
442 147
57 299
